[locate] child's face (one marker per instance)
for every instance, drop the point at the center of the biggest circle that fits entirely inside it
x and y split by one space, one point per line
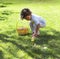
28 17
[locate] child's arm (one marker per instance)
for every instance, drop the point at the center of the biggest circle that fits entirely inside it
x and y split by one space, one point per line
36 30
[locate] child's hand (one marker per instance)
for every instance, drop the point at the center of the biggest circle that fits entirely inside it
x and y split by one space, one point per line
33 37
34 34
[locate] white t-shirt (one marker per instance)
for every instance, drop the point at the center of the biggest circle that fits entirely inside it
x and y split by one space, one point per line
35 19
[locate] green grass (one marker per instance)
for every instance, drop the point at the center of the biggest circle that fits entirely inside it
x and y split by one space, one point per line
13 46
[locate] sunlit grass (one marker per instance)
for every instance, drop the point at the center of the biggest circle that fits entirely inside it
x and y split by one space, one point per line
13 46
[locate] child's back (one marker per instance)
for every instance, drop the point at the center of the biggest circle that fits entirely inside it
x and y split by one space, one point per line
38 20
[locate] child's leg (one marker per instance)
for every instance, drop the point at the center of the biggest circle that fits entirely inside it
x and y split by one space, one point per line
38 33
33 27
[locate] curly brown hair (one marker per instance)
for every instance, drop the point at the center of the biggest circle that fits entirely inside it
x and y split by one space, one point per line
25 12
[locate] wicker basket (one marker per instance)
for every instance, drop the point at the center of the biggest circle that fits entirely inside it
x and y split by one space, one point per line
22 31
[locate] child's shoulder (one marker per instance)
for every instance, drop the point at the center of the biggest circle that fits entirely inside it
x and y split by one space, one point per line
36 16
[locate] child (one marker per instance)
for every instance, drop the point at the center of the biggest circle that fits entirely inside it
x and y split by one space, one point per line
36 21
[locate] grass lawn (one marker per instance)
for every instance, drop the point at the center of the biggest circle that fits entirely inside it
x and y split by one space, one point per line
13 46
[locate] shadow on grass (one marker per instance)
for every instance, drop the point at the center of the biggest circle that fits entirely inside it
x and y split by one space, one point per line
3 18
34 52
7 12
1 55
44 39
7 3
4 4
4 15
